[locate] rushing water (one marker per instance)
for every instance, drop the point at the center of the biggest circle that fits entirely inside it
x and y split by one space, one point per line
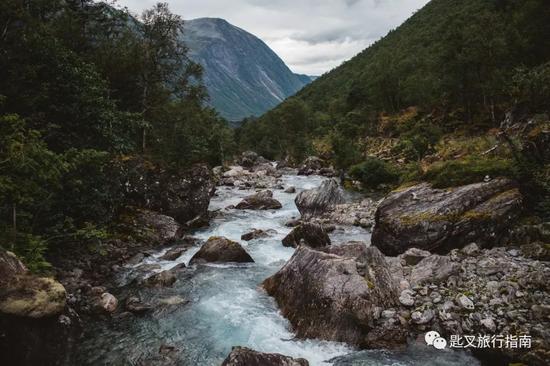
225 305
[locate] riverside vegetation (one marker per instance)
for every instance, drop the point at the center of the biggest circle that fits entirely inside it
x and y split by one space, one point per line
458 92
112 168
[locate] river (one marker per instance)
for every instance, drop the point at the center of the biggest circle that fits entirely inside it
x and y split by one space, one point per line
225 305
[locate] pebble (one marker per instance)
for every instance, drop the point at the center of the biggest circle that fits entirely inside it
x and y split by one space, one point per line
406 298
464 302
422 317
436 297
470 249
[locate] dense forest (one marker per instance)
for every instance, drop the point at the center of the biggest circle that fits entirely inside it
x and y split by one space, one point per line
430 101
84 88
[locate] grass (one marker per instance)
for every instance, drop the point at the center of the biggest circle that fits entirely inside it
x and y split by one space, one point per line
466 171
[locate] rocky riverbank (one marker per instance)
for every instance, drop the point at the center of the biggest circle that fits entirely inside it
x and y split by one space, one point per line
42 318
450 261
453 263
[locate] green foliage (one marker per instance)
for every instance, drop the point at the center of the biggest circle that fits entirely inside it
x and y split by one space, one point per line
31 249
374 172
531 87
472 170
83 83
346 153
419 139
284 132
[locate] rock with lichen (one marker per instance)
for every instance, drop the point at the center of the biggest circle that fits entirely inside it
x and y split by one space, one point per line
439 220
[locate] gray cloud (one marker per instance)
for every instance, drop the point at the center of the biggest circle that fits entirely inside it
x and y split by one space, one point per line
311 36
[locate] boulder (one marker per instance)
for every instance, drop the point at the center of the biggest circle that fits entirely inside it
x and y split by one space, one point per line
439 220
32 297
266 169
259 201
181 194
39 341
10 266
173 254
311 165
36 326
352 249
290 189
313 235
433 269
314 202
159 228
327 172
327 296
220 249
106 303
293 222
242 356
249 159
135 305
161 279
257 234
413 256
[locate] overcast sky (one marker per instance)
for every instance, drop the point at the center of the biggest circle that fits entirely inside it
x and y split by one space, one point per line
311 36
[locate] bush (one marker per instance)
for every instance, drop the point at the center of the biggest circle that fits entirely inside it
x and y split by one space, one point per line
31 250
373 172
419 140
472 170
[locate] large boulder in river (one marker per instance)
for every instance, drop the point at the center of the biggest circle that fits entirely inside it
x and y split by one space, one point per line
242 356
439 220
333 297
257 234
219 249
314 202
312 234
259 201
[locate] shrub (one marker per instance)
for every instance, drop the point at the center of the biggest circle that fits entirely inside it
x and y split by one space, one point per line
419 140
460 172
373 172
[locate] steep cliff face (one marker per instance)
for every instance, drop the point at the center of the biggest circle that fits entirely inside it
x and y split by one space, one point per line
244 77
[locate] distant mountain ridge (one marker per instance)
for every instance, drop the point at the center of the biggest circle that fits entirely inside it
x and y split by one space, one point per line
243 76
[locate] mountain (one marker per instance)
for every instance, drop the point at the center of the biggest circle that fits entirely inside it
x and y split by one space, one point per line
244 77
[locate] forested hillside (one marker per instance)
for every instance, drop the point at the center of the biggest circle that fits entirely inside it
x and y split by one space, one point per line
431 91
83 89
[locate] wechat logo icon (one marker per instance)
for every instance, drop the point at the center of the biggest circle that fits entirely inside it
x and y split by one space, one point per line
434 339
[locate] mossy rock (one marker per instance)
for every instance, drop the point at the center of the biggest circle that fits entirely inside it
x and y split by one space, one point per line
33 297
